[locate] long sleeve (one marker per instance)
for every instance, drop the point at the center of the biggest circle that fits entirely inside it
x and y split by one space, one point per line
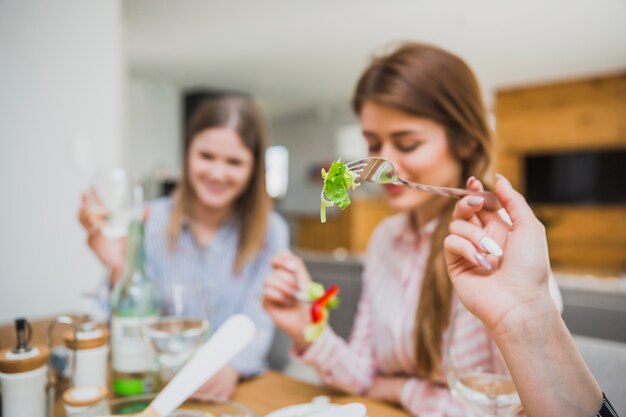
253 359
473 347
424 398
349 367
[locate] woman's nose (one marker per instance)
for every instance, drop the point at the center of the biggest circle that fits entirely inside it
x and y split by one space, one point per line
218 170
387 152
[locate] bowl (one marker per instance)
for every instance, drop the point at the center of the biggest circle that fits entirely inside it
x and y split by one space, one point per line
227 408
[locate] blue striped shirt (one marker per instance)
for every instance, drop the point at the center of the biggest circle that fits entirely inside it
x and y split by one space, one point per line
209 271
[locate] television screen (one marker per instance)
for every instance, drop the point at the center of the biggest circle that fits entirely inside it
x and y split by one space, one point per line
585 177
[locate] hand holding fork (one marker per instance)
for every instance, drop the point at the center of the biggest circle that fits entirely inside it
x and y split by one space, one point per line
381 171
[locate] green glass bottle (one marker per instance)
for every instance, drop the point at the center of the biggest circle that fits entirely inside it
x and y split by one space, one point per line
134 304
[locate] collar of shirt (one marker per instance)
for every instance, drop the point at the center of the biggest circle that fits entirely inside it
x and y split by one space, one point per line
225 229
403 233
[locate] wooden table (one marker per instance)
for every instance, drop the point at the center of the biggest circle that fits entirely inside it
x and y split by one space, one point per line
274 390
262 394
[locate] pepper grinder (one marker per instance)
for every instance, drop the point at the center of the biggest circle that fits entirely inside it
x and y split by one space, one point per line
89 351
23 375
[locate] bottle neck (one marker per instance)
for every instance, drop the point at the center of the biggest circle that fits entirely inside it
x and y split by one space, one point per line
135 255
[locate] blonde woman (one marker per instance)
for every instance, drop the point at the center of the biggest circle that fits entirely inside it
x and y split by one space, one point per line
217 231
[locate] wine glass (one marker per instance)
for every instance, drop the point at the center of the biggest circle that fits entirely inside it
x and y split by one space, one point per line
113 201
475 369
182 327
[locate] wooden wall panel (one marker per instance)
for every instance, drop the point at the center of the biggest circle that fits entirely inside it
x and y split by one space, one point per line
585 236
587 114
349 229
577 115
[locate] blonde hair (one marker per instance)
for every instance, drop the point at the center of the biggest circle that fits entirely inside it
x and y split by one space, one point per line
429 82
253 206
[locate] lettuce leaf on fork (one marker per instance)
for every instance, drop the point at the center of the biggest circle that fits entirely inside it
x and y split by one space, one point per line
337 181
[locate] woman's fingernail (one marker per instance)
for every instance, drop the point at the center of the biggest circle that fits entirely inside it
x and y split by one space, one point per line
483 261
475 200
505 216
502 178
491 246
469 182
290 265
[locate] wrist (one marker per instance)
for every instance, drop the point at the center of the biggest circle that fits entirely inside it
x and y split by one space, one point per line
398 387
115 275
300 345
233 372
514 325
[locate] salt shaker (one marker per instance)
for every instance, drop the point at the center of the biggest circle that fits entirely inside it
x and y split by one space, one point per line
89 349
23 375
86 401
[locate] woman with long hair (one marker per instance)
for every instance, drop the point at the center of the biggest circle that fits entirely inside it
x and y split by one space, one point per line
421 108
216 232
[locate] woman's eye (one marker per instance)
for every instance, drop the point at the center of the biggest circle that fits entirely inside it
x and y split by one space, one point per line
235 162
206 156
408 147
373 147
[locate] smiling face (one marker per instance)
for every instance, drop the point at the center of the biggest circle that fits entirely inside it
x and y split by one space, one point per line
417 147
220 167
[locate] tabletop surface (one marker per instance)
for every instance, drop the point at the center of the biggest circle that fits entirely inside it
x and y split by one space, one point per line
263 394
274 390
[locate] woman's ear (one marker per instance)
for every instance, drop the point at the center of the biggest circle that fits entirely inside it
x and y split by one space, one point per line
466 149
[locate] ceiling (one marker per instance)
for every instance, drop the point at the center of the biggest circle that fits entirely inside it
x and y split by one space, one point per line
295 54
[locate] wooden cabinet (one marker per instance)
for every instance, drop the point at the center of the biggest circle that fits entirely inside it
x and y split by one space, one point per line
349 229
581 115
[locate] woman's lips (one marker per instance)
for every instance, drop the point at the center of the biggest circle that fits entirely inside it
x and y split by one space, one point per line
392 189
215 189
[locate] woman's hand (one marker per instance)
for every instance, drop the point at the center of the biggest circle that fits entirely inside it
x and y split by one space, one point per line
279 297
220 387
386 389
111 252
498 286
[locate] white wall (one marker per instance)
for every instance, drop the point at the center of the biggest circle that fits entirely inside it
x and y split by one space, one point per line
60 115
310 138
153 123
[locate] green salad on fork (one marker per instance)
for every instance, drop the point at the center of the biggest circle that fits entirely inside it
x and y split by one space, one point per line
337 181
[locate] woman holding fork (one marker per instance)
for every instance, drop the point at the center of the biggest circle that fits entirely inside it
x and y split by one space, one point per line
420 107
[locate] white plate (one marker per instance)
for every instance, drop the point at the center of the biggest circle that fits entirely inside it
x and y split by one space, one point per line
301 410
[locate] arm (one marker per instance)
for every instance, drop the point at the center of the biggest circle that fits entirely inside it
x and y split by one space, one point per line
559 381
428 397
510 295
349 367
111 252
424 398
253 359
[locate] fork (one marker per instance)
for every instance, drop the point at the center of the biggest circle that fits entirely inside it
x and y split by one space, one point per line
381 171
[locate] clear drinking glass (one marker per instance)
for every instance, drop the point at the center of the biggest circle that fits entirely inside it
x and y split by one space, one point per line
475 369
113 201
182 327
